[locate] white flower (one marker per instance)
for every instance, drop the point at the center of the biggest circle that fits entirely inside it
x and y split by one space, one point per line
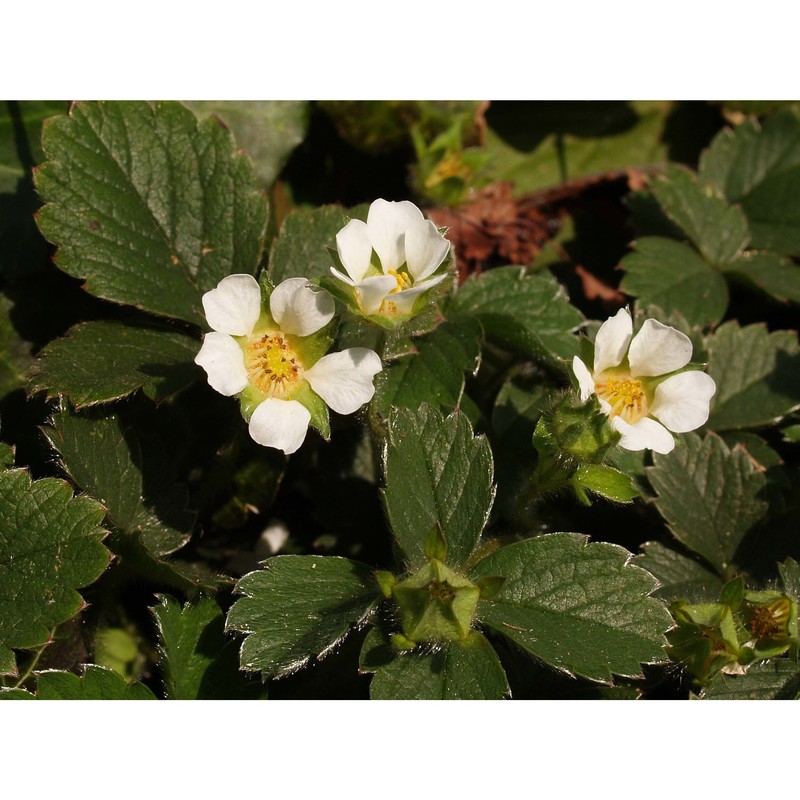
390 259
643 406
269 357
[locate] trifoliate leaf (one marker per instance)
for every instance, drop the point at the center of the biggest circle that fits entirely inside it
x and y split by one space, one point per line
758 166
582 608
454 671
267 130
674 277
529 313
147 205
771 273
124 465
299 607
96 683
757 375
101 361
50 546
778 679
435 374
709 495
719 231
681 577
438 474
301 247
198 662
15 694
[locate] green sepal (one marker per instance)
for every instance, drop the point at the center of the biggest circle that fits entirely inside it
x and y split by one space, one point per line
436 604
606 482
386 581
489 586
705 638
435 547
311 348
732 593
401 643
250 398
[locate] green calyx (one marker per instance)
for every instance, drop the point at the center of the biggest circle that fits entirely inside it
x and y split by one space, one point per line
581 430
743 627
436 604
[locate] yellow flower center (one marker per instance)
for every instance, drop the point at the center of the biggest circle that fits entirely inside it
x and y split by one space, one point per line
625 395
272 366
403 281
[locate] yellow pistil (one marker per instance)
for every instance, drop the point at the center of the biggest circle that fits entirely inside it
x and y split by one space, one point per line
625 395
272 366
403 281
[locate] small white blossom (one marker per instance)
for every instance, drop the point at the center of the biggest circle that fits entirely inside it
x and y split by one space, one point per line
390 259
628 381
263 355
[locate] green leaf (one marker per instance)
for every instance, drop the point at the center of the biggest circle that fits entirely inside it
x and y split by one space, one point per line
50 546
681 577
22 248
708 495
15 352
101 361
198 662
541 144
771 273
437 474
606 482
435 374
718 230
300 249
147 205
674 277
299 607
96 683
583 608
122 463
529 313
759 168
778 679
757 375
6 456
790 577
15 694
454 671
267 130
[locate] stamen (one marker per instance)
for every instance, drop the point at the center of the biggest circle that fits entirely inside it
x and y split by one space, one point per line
272 367
403 280
625 395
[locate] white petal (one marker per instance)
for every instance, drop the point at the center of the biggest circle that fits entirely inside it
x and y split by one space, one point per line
372 292
234 306
425 249
300 308
658 349
387 223
682 401
612 341
344 380
354 248
404 300
585 379
646 434
281 424
223 360
342 277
